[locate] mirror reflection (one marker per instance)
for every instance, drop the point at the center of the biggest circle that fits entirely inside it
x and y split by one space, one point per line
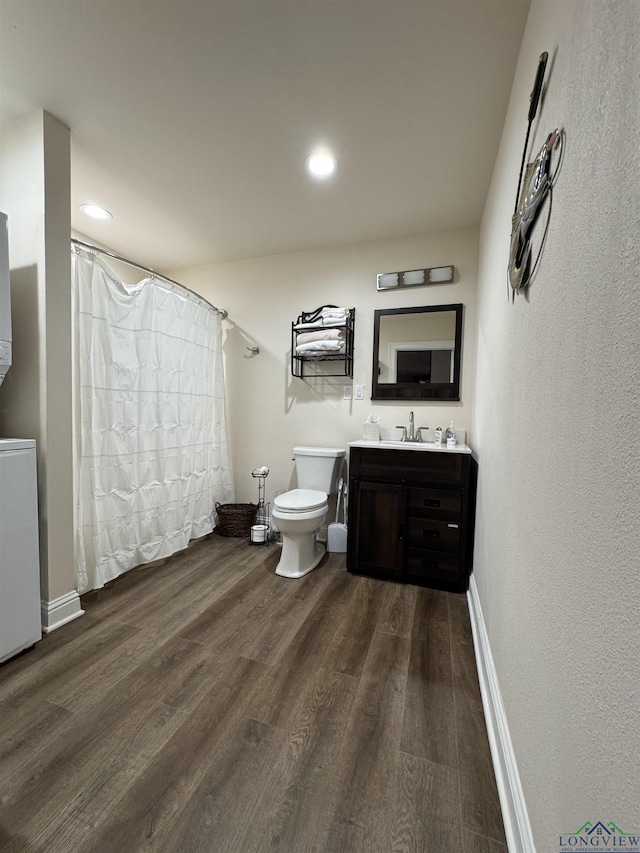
417 353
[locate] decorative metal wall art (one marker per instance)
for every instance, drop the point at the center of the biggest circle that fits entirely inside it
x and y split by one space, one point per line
533 191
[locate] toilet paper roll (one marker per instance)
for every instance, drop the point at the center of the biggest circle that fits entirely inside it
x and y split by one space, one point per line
259 533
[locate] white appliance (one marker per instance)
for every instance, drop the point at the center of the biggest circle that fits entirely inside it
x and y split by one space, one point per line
19 555
5 300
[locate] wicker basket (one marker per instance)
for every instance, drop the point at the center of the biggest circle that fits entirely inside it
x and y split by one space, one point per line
235 519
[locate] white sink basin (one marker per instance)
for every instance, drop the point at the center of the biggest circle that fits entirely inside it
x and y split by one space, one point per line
391 443
422 446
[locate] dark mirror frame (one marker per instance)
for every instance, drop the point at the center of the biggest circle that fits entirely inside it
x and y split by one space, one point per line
413 390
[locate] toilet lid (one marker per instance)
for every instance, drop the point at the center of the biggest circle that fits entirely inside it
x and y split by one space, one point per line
300 500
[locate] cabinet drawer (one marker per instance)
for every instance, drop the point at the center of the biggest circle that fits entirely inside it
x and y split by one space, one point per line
434 534
431 565
410 466
435 502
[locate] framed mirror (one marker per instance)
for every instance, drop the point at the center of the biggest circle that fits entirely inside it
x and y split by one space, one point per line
416 353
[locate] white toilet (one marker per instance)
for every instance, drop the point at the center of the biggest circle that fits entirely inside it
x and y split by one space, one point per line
299 513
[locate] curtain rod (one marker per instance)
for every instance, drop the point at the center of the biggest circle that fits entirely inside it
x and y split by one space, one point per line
152 271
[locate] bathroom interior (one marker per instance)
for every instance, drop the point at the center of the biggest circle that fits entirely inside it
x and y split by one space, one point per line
532 589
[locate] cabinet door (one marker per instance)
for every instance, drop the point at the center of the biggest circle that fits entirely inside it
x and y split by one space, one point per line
379 521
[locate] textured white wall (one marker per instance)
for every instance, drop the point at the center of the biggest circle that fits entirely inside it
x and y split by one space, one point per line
556 430
35 398
22 195
269 410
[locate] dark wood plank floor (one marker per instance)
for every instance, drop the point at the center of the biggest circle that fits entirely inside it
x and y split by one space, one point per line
206 704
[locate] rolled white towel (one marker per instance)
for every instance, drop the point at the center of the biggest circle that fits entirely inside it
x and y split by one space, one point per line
329 317
323 335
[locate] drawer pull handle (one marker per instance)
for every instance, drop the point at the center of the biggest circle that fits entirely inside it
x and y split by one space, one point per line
429 564
431 534
431 502
456 526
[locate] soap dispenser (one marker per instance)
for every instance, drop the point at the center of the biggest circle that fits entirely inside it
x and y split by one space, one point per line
450 435
438 435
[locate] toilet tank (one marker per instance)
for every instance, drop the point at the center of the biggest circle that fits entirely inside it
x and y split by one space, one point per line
319 468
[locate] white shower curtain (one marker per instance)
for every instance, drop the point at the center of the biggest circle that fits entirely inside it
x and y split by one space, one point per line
152 456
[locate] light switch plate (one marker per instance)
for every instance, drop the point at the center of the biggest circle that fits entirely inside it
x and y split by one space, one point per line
346 392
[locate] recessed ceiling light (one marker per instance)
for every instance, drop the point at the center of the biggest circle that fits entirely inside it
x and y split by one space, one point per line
96 212
321 165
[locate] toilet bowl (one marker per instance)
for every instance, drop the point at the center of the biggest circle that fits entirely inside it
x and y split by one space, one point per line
299 515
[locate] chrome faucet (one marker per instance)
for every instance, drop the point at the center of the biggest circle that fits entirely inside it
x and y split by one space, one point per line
412 434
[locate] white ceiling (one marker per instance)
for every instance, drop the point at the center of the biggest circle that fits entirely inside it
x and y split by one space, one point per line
190 119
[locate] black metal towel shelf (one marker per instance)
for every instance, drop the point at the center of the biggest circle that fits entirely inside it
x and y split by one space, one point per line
313 320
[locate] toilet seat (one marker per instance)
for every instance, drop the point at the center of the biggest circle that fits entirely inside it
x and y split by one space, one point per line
300 500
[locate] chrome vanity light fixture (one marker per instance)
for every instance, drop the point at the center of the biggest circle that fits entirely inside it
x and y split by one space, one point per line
412 278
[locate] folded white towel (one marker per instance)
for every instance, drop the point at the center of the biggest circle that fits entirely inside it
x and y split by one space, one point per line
317 325
335 312
320 354
320 347
321 324
322 335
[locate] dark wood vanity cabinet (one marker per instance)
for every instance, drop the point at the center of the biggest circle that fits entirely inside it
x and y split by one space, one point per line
412 515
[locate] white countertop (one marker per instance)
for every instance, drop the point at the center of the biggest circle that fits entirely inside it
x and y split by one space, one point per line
428 446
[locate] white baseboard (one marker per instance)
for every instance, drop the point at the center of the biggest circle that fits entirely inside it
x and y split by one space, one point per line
61 610
514 809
